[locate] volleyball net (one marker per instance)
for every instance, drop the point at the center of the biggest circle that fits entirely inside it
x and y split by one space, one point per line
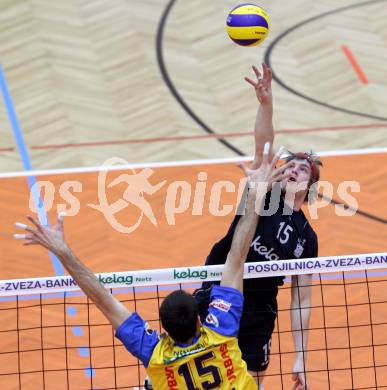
53 337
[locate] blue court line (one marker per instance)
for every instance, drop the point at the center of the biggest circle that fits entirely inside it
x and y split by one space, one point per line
23 151
90 372
77 331
24 155
72 311
84 351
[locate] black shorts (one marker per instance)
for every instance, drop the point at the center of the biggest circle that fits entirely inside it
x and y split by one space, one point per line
255 331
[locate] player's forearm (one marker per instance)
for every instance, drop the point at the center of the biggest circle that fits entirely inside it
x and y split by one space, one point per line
263 130
300 327
113 309
244 232
300 317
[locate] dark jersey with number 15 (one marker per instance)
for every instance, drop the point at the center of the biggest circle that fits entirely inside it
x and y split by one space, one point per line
286 234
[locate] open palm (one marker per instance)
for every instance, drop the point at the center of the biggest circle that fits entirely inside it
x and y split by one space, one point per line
262 85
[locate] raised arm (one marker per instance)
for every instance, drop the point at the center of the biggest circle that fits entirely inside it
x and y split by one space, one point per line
263 131
52 238
260 181
233 269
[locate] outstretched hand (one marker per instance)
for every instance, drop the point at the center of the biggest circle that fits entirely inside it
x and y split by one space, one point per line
262 85
266 174
51 238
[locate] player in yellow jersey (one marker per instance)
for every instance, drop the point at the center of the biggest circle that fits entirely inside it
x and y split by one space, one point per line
191 355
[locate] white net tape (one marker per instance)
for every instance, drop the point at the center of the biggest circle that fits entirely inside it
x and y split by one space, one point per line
361 262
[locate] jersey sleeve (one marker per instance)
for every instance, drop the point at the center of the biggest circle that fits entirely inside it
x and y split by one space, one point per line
225 311
137 338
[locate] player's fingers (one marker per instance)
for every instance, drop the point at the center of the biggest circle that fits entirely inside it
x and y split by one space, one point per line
246 170
279 178
257 72
264 68
24 236
61 216
301 382
277 156
19 236
266 153
255 165
282 168
269 74
277 175
253 83
34 222
30 243
295 385
23 226
261 86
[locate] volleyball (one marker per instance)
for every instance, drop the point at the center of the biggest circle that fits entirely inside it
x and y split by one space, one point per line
247 25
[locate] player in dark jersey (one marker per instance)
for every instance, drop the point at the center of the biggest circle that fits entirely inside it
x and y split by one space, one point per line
286 234
191 356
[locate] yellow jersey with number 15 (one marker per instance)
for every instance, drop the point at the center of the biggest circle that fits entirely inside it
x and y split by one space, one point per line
212 361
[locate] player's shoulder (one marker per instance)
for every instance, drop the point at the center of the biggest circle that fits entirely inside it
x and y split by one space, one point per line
138 338
220 292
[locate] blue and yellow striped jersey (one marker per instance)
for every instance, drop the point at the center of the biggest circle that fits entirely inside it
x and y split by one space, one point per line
212 361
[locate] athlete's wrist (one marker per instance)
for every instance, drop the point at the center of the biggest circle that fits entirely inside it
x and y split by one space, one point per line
266 104
64 253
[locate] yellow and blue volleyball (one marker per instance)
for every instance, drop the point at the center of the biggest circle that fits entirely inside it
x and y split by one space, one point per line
247 25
